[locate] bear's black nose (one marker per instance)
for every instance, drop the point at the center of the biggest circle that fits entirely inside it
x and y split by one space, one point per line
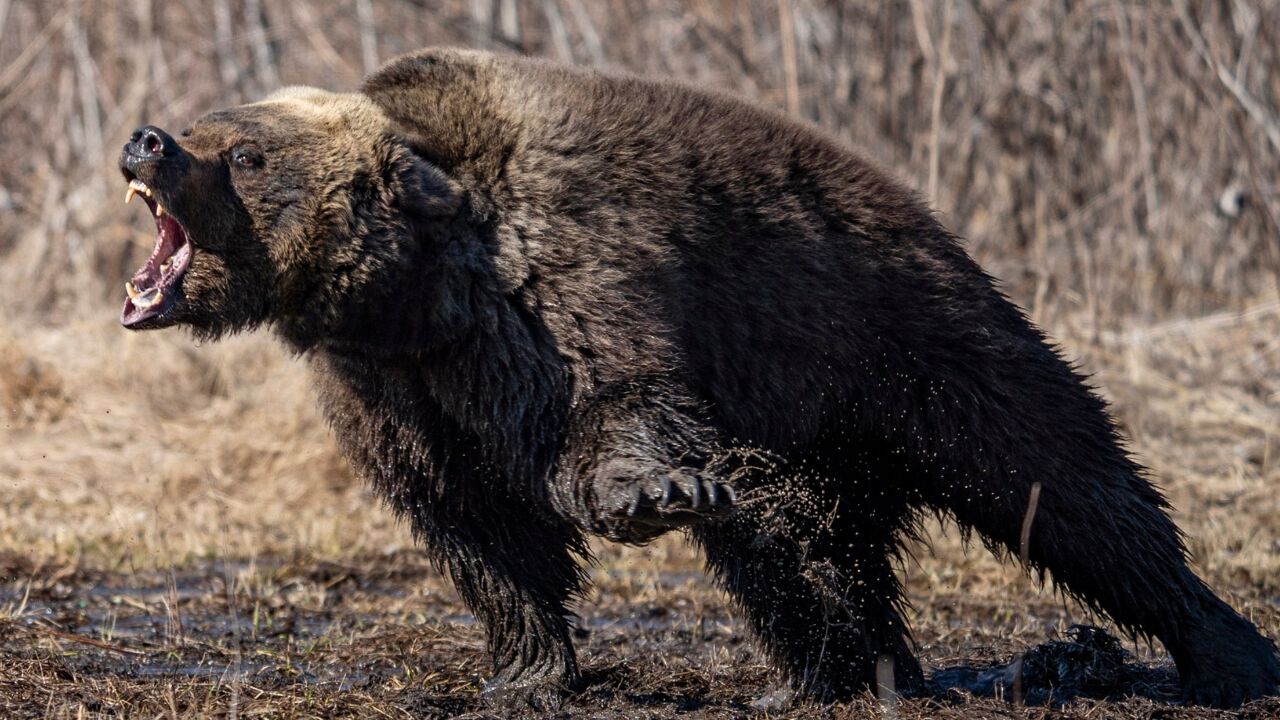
150 142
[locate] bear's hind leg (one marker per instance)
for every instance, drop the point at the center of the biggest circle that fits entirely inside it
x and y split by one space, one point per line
815 576
1102 531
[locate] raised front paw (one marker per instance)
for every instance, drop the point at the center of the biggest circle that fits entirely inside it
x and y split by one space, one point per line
636 510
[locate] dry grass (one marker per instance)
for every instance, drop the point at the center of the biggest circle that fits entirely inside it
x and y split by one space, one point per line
183 508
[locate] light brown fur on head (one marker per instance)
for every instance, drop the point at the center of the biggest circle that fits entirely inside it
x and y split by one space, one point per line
345 117
294 234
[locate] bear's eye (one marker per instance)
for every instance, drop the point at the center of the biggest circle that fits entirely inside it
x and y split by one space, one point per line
246 158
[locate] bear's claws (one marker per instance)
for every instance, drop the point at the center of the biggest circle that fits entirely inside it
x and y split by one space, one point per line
679 500
687 495
637 510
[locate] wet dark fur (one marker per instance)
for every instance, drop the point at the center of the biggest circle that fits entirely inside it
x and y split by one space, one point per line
553 292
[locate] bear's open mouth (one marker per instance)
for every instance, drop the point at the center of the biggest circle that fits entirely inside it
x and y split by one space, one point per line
153 290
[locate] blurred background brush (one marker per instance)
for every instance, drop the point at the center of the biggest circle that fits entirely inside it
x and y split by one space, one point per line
1103 155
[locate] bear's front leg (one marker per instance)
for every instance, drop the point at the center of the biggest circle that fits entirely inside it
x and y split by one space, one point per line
516 572
638 462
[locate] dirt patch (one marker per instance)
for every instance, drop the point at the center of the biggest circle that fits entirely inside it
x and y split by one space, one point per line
385 636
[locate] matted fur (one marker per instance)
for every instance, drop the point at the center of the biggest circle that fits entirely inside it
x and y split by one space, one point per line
542 302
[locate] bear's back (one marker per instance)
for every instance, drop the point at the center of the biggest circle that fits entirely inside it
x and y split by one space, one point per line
781 271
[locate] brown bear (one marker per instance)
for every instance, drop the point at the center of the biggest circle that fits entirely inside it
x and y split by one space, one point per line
543 302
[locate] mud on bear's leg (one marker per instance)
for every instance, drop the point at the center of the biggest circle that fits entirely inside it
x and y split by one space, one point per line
1103 532
816 578
639 462
516 575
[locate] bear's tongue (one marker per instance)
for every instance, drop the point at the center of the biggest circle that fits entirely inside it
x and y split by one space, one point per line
155 281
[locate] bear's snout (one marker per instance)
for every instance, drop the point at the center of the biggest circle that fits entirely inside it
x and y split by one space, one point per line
150 142
153 156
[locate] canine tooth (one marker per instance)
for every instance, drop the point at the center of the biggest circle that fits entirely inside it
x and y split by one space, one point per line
136 186
159 209
131 291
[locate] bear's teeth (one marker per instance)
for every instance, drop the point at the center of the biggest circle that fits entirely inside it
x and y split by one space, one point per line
149 298
131 291
136 186
159 209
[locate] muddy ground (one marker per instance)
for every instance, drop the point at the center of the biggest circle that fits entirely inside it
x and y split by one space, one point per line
383 636
185 543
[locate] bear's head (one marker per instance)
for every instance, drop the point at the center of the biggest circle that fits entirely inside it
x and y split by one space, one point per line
293 211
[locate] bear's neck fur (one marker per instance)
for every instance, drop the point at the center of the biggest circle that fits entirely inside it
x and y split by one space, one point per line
455 334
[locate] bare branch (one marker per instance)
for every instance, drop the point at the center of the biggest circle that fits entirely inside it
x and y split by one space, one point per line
935 112
264 60
787 31
559 35
590 36
368 35
1139 94
1254 109
222 44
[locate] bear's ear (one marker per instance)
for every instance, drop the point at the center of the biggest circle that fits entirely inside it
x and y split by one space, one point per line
444 104
428 192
